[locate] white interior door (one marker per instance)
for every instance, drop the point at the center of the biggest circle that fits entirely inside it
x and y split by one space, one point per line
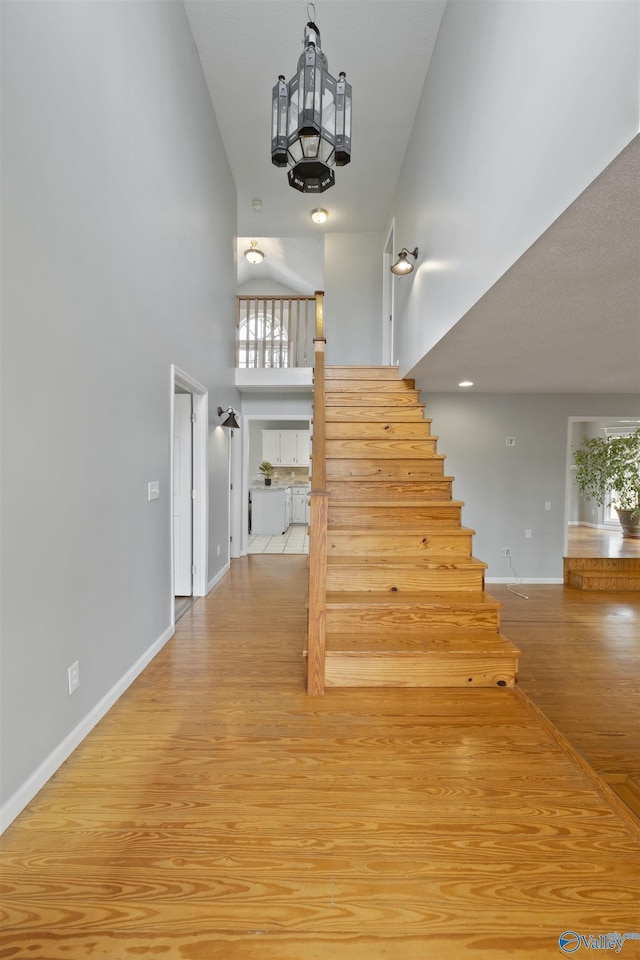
182 502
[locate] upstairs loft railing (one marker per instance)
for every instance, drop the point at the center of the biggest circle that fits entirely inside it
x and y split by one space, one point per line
274 332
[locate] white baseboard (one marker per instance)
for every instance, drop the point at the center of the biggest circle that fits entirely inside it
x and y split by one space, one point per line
25 793
218 577
519 581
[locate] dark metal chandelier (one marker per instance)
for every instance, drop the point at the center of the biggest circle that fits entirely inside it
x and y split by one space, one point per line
311 119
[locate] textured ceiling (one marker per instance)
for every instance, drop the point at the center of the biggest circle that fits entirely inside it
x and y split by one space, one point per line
566 317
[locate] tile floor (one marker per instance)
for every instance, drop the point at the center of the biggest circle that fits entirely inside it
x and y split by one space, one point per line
293 540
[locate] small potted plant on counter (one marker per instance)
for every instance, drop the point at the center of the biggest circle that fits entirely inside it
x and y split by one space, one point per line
611 468
266 469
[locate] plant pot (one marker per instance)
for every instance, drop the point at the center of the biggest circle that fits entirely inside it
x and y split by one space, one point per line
267 481
630 523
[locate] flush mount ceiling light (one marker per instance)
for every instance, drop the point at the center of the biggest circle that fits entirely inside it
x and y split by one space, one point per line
466 383
311 118
257 205
402 266
254 254
230 418
319 215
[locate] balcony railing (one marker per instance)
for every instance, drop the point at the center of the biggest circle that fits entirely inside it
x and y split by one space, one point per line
274 332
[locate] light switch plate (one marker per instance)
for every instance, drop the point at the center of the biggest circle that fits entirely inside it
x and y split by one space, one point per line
153 490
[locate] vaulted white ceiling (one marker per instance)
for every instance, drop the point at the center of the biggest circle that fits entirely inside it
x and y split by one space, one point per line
585 269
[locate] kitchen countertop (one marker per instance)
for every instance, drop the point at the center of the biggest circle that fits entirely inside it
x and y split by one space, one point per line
260 485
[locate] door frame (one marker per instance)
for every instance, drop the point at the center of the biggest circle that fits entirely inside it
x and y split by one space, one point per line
387 296
244 505
200 481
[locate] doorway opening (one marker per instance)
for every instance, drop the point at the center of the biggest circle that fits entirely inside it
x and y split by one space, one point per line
188 493
591 530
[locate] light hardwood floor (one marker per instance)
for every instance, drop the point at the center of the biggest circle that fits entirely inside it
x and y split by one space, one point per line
219 813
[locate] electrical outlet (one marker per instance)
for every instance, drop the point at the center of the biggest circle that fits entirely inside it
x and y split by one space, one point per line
528 534
506 551
218 553
73 676
547 504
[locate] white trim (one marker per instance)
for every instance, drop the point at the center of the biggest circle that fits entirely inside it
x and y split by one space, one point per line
388 291
522 580
25 793
218 577
200 480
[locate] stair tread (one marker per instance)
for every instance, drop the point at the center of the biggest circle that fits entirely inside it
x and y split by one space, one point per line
382 504
432 645
410 534
419 563
423 598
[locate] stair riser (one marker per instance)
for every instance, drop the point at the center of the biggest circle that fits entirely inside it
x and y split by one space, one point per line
408 490
368 389
361 373
415 546
359 398
382 449
375 414
600 581
601 564
409 518
410 621
399 581
352 670
383 430
377 472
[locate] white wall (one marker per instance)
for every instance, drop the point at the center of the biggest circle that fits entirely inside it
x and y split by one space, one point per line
523 106
118 260
353 298
505 488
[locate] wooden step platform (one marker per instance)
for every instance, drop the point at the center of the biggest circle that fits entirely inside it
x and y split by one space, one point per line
480 660
602 573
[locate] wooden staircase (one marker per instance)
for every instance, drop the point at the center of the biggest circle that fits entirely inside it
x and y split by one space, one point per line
602 573
405 599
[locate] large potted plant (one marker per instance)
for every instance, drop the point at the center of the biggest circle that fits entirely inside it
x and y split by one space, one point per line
611 468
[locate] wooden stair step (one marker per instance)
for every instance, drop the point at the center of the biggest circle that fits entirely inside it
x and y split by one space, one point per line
387 470
485 662
403 515
596 579
419 613
358 398
382 429
394 577
382 449
361 373
418 546
354 488
626 789
442 641
372 413
366 387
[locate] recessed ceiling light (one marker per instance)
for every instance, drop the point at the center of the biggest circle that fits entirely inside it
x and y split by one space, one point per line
319 215
466 383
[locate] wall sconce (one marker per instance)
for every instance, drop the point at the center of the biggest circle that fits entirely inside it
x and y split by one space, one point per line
231 418
254 254
402 266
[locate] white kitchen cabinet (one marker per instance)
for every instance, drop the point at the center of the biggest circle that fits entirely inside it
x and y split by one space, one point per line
286 448
271 446
299 505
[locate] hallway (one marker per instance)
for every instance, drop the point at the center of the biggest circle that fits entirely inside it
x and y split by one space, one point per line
219 813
